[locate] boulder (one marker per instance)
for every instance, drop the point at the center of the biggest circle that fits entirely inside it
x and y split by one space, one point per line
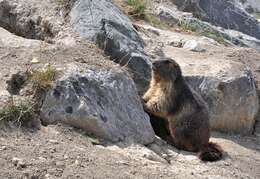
103 23
103 102
228 14
232 37
227 86
194 45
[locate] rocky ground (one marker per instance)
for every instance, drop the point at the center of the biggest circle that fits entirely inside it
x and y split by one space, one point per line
42 30
62 152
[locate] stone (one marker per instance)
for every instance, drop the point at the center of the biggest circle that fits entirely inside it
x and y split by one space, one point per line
228 87
194 45
228 14
251 6
104 24
3 148
103 102
19 163
228 36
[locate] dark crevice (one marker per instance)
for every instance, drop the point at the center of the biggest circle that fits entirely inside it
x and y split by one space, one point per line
160 127
256 128
23 24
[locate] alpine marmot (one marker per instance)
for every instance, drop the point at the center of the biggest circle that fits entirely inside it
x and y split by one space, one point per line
184 111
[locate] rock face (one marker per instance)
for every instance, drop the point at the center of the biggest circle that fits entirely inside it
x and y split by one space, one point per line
252 6
102 102
227 87
103 23
22 20
232 101
173 17
228 14
8 39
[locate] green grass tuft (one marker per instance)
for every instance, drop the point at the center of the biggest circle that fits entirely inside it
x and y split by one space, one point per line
62 2
257 15
138 8
155 21
42 79
188 27
19 114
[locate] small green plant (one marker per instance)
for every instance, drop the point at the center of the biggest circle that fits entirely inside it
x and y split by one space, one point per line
217 37
138 8
257 15
155 21
186 26
62 2
17 113
42 79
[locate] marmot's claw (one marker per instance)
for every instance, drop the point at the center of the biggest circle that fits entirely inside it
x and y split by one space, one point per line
143 101
146 109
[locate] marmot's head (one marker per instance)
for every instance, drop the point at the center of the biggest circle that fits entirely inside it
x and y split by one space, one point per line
166 70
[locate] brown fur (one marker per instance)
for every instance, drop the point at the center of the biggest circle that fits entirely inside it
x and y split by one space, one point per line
186 114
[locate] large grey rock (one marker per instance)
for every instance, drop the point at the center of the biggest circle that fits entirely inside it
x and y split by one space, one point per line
173 17
232 101
103 23
228 14
228 88
104 102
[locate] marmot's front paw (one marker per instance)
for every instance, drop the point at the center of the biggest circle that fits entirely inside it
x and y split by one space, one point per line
145 99
152 107
145 106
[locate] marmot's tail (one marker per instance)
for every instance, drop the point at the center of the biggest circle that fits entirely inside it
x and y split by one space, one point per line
212 152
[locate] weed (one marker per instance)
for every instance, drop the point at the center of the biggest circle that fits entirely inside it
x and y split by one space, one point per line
25 112
217 37
257 15
138 8
62 2
188 27
42 79
155 21
18 113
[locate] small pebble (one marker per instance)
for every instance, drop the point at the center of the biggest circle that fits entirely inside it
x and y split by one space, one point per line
3 148
53 141
76 162
65 156
19 163
47 176
59 164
